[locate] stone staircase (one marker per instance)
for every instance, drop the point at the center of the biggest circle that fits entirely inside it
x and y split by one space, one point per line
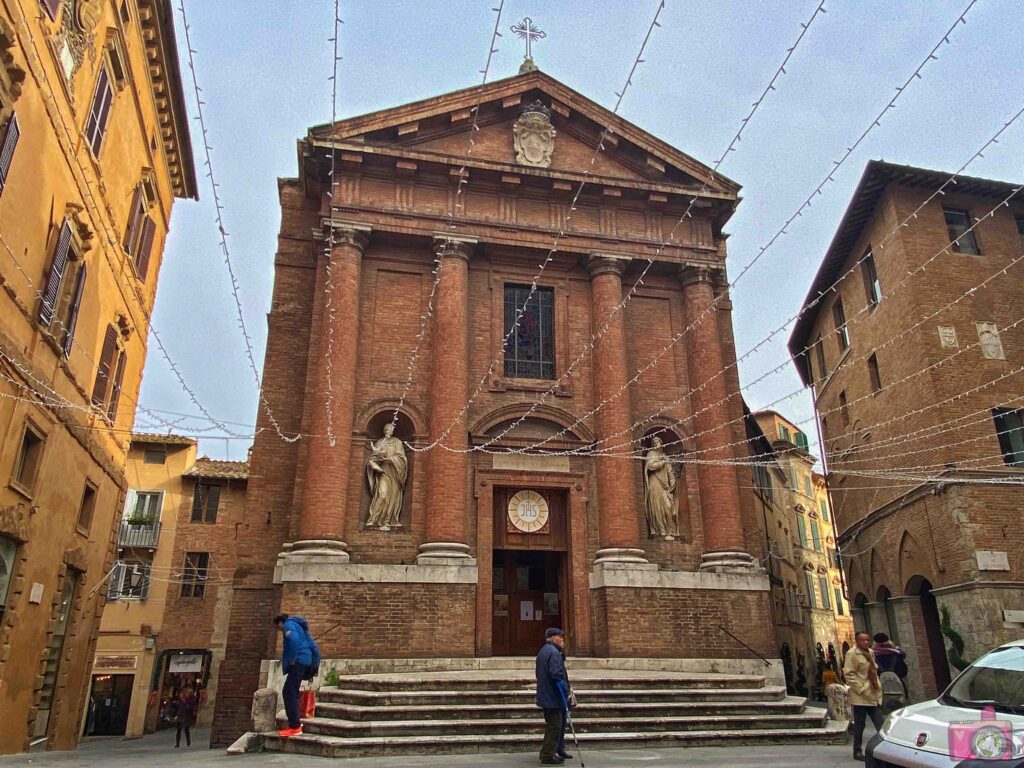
493 710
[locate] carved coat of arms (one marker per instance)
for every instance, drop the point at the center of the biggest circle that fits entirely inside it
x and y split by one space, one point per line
534 136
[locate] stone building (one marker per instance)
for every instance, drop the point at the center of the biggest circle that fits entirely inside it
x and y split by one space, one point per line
138 587
778 551
484 518
94 150
805 519
193 642
168 599
914 356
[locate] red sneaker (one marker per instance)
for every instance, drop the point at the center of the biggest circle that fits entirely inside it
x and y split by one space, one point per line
285 733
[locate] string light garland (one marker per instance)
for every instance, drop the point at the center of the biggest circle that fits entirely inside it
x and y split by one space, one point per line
730 147
553 250
457 205
219 209
783 230
100 218
329 246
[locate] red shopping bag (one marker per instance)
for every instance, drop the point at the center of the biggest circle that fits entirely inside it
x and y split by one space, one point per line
307 703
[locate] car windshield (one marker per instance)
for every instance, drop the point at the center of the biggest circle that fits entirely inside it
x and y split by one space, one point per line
995 680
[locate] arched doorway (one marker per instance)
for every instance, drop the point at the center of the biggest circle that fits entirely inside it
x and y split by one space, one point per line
931 624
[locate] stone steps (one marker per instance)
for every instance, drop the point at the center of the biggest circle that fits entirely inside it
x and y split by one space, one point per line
527 693
528 709
334 746
518 679
494 710
522 726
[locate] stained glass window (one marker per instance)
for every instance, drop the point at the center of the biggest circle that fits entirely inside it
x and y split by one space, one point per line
530 349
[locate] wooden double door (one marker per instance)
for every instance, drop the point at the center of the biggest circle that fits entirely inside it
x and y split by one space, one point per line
528 598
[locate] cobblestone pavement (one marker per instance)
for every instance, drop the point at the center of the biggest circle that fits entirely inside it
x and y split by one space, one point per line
157 751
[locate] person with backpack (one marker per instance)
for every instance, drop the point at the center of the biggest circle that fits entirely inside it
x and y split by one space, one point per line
299 658
892 672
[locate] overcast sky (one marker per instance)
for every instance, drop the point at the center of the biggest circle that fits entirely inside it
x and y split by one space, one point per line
263 67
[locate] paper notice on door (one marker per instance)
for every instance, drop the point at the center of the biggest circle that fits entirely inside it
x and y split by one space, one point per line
526 610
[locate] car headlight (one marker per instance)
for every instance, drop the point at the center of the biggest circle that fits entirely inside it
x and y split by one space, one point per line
890 721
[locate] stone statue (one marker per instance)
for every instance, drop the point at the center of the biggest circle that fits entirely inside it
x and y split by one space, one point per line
660 492
386 470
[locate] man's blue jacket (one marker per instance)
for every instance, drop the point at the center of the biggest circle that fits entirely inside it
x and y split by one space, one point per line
299 647
552 678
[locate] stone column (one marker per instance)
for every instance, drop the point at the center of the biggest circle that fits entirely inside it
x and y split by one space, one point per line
447 470
719 490
618 507
325 499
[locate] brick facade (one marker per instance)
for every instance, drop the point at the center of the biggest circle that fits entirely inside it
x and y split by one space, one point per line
309 505
917 533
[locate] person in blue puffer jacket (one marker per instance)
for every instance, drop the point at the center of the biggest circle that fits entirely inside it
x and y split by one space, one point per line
299 656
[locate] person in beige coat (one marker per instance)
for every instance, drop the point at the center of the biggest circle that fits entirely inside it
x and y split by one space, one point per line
861 672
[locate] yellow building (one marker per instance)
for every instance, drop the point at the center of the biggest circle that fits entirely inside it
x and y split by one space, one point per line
778 548
94 149
138 590
824 609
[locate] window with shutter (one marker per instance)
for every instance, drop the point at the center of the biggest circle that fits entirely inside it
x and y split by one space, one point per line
76 302
11 136
115 395
51 291
145 248
135 214
99 112
106 364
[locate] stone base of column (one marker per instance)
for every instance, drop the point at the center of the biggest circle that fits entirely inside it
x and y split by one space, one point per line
445 553
621 556
729 561
305 560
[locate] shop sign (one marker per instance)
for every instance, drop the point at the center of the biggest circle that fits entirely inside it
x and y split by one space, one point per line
189 663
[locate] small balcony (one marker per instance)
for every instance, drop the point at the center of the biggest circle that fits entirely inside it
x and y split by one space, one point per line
144 535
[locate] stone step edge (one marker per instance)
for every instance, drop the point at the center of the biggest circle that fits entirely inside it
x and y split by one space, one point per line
530 691
831 728
784 703
817 716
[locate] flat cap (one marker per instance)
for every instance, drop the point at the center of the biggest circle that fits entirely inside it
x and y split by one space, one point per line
552 631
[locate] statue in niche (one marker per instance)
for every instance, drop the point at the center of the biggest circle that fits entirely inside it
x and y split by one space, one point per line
660 492
386 470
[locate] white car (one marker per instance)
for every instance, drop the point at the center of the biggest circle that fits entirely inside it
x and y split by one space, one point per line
978 722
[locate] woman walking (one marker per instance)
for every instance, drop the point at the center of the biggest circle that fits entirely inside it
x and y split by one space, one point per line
187 706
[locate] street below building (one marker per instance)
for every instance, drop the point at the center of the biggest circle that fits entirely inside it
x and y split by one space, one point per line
157 751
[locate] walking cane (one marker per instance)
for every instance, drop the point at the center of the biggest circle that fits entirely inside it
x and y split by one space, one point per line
575 738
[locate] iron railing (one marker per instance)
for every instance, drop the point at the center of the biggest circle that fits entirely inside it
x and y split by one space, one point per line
145 535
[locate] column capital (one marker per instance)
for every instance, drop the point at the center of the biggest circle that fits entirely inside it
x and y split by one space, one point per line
454 246
603 263
346 233
691 274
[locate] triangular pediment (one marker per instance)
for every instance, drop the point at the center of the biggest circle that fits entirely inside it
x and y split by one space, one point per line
441 126
571 153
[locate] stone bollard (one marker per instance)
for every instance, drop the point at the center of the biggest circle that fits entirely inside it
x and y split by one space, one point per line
264 710
839 702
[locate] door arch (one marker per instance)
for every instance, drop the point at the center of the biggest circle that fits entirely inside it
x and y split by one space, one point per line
934 641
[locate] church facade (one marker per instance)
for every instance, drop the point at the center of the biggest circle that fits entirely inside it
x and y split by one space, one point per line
499 433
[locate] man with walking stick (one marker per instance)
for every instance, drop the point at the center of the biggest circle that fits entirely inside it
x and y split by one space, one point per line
553 696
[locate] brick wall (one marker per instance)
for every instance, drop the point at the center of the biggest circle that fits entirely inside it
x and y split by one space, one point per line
381 621
681 623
